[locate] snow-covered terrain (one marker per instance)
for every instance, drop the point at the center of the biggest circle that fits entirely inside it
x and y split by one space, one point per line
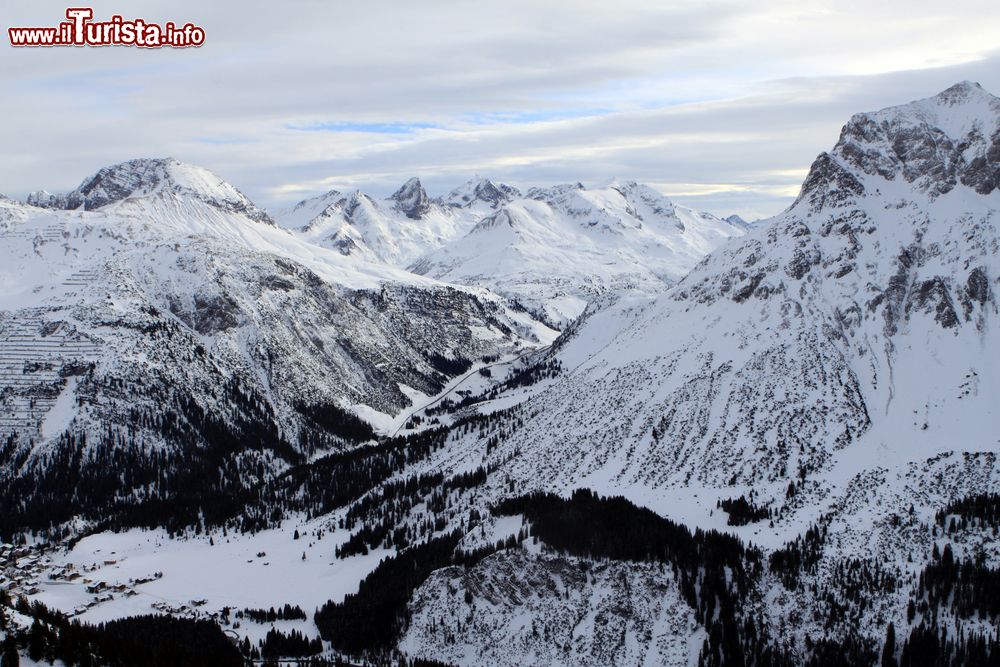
554 249
559 248
806 342
175 304
845 347
398 229
820 385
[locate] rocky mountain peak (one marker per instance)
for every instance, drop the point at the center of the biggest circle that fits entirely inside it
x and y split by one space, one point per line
935 144
737 221
321 201
412 199
45 199
962 91
147 177
483 190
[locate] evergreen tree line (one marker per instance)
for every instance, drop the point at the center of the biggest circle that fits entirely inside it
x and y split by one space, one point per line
799 556
294 644
449 366
969 588
381 514
742 511
286 613
929 646
333 419
981 509
138 641
371 620
334 480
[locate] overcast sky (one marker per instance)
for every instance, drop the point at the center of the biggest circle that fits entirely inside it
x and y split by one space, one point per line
721 105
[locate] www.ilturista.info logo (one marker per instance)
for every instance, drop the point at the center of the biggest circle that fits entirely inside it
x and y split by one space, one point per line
80 30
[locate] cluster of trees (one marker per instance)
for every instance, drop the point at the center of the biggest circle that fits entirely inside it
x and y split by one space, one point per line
371 620
930 646
277 644
139 641
382 513
450 366
799 556
334 480
742 511
982 510
849 651
531 375
969 588
286 613
447 405
335 420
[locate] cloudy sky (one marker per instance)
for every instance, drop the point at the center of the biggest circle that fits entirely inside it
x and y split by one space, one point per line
721 105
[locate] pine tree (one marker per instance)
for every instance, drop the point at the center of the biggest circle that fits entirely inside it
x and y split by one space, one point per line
10 658
36 641
889 650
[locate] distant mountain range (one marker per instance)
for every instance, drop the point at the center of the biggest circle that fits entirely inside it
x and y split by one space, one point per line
553 249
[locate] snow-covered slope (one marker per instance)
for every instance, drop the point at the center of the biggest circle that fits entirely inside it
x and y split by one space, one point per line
811 338
398 229
737 221
165 312
836 365
833 369
559 248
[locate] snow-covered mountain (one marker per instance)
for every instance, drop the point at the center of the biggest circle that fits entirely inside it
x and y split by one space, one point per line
554 249
809 337
737 221
166 324
144 178
398 229
482 194
559 248
836 366
802 427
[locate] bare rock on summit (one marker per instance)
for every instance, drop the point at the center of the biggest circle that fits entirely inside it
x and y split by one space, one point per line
412 199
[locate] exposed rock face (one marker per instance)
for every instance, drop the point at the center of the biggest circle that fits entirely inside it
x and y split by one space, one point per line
483 190
532 609
933 144
411 199
145 177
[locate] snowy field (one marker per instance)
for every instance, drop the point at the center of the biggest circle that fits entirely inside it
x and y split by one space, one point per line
200 578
